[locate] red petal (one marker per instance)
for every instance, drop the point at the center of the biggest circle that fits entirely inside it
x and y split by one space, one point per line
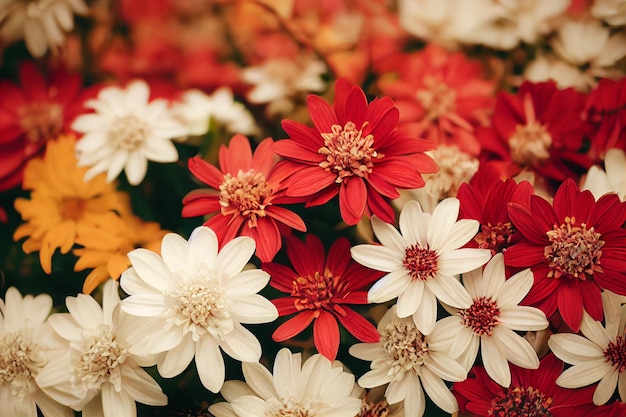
352 199
287 217
285 306
322 114
565 199
359 326
524 254
378 205
304 136
592 299
238 156
315 256
281 276
570 303
308 181
200 204
356 107
381 128
33 84
339 257
292 150
205 172
293 326
326 335
264 158
399 173
534 223
267 238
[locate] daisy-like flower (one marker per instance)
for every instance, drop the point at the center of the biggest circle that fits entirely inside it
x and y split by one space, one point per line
315 388
41 23
491 321
605 117
125 132
407 360
442 97
610 180
93 369
598 356
321 290
24 351
245 196
422 260
61 202
354 151
193 300
575 248
532 393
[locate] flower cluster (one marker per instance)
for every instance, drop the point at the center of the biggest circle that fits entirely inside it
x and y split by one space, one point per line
313 209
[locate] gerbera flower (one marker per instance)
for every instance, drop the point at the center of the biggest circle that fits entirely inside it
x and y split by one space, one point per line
321 290
491 321
538 129
407 360
315 388
575 248
94 369
532 393
24 351
33 112
355 151
245 196
487 201
598 356
125 132
442 97
193 300
422 261
61 202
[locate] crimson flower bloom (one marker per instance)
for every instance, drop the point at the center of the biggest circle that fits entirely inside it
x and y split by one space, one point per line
320 290
355 151
32 113
540 129
244 197
575 248
532 393
605 117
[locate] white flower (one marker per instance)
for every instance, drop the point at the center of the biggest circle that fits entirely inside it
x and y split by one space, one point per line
93 369
491 320
280 81
125 132
315 388
422 261
194 300
612 12
198 110
407 360
612 179
598 356
24 351
547 67
41 23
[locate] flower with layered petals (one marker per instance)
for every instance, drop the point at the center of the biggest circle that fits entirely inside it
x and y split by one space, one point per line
598 356
321 289
315 388
245 194
32 113
491 321
605 117
93 368
24 351
532 393
354 151
422 260
442 97
61 203
125 132
193 299
539 129
575 248
407 360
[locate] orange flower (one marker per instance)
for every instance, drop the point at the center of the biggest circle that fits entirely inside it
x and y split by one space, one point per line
60 202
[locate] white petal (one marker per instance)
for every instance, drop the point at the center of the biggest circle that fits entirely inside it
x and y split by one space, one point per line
231 390
462 260
438 392
117 161
85 310
249 406
593 330
449 290
144 305
462 340
462 232
117 403
142 387
136 167
234 256
366 351
515 348
388 236
377 257
286 371
584 374
160 150
151 268
621 386
574 349
173 249
375 378
442 223
493 276
515 289
426 316
201 248
132 284
473 283
176 360
246 282
397 389
414 224
605 389
388 287
259 378
410 299
415 403
523 318
253 309
210 364
241 344
495 362
14 313
442 365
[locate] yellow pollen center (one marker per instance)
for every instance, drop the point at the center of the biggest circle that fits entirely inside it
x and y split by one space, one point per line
247 194
72 208
317 291
574 251
405 346
128 132
41 121
291 409
436 98
348 152
20 362
421 263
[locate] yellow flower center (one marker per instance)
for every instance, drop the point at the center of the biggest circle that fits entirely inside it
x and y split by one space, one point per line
405 346
128 132
436 98
247 194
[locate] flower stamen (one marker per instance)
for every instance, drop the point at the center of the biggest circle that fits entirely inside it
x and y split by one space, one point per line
405 346
247 194
128 132
615 353
20 361
482 316
520 402
421 263
494 237
317 291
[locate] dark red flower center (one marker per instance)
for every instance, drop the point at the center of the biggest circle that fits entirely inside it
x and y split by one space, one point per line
420 262
348 152
436 98
574 251
494 237
520 402
317 291
615 353
41 121
482 316
246 195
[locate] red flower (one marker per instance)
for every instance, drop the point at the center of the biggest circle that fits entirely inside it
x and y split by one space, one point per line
320 290
538 129
32 113
442 97
487 202
244 197
605 115
355 151
532 393
575 248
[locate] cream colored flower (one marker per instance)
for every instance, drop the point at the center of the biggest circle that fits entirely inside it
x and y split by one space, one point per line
612 179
